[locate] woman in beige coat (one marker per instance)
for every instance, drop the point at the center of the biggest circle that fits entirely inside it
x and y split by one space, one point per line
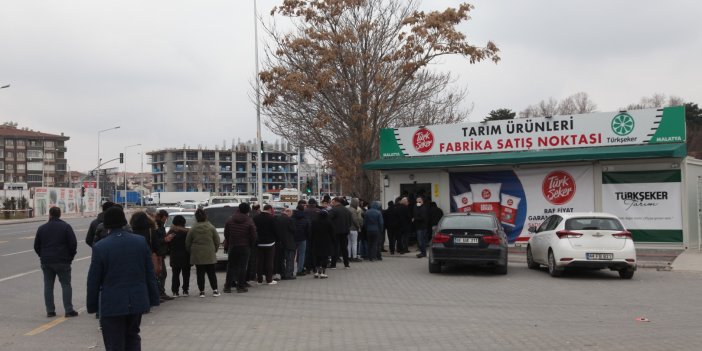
202 242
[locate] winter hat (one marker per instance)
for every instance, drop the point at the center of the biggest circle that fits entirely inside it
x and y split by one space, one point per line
114 218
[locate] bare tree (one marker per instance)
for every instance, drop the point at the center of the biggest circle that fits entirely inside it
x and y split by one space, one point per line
574 104
656 100
352 67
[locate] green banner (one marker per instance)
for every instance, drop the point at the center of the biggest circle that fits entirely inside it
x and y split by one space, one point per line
657 236
672 176
389 147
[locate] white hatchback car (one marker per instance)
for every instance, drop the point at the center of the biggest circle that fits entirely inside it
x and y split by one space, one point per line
582 240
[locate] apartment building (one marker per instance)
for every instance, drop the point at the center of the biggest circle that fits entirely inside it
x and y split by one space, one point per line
224 170
31 157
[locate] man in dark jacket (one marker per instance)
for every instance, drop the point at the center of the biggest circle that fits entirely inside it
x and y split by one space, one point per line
404 224
265 246
56 245
285 233
95 231
420 220
311 213
390 220
122 298
341 217
239 236
302 234
435 214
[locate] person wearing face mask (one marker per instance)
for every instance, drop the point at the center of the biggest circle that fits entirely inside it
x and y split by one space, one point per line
420 220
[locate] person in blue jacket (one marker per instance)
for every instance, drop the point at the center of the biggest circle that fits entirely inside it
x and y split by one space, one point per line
374 228
121 283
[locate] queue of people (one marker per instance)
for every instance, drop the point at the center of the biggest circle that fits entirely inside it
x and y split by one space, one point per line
127 274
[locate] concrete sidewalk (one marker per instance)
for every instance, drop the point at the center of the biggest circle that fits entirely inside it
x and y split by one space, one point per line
688 260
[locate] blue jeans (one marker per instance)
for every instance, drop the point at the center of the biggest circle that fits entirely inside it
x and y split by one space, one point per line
301 249
63 271
422 240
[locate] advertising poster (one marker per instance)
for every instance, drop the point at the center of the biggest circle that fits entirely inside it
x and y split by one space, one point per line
67 199
648 203
525 197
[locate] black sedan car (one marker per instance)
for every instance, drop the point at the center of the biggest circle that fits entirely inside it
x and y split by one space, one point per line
470 239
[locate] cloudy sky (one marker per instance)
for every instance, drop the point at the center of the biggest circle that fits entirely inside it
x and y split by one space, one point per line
175 72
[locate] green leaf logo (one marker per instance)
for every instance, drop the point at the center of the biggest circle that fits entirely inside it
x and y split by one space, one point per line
623 124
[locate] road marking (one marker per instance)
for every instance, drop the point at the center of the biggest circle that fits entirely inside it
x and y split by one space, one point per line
17 253
19 275
27 237
51 324
2 242
34 271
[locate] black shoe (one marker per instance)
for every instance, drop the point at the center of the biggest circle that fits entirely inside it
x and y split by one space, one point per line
227 291
288 278
242 290
72 314
383 250
166 297
247 285
301 274
420 255
50 314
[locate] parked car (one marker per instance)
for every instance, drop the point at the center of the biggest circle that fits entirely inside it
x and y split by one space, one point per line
189 206
189 219
170 209
218 215
582 240
468 238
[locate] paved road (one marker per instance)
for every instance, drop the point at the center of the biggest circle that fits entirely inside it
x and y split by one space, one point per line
390 305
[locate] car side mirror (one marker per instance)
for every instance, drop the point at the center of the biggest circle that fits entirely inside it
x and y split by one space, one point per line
532 230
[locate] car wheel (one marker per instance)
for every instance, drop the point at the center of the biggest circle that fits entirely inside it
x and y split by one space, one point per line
553 270
434 266
626 273
501 270
530 260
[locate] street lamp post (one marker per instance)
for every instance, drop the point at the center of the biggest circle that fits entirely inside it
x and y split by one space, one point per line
99 160
259 162
125 172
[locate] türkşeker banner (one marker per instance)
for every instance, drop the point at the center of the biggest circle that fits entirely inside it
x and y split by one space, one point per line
637 127
523 198
649 203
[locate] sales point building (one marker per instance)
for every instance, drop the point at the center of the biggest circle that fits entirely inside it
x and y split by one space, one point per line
632 164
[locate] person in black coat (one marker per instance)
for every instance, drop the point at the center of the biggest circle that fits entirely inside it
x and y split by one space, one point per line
55 244
302 235
420 220
265 250
179 256
322 243
404 224
122 282
285 233
391 225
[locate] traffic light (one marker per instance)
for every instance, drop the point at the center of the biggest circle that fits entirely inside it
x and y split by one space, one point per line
82 191
121 157
261 149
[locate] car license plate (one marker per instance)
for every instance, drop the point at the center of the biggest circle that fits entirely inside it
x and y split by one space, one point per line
465 240
600 256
